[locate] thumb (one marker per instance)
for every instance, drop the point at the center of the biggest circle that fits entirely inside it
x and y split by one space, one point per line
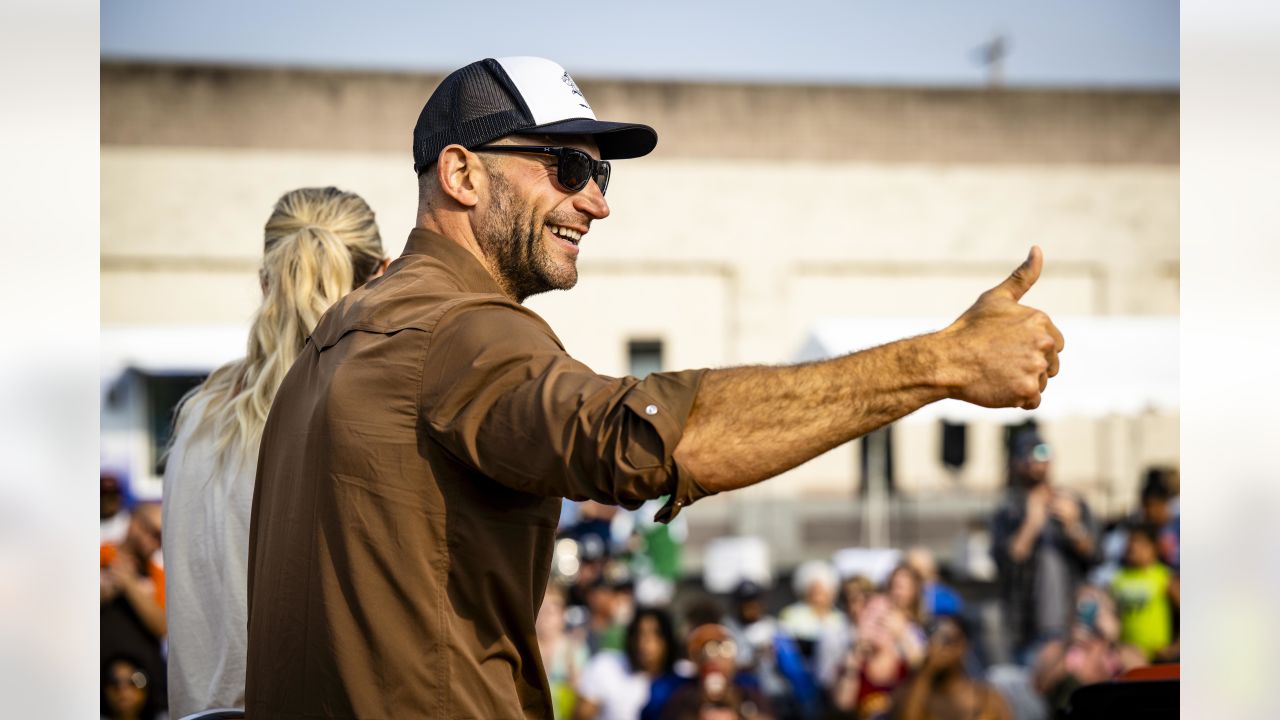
1021 280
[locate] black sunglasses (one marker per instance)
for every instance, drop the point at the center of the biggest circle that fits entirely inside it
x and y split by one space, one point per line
574 168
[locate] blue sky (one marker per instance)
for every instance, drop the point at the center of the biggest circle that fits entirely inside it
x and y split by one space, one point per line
924 42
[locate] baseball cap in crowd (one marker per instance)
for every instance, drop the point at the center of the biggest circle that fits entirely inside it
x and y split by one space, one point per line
747 590
1028 445
493 98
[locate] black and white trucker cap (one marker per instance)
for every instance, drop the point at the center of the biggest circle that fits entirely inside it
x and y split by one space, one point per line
489 99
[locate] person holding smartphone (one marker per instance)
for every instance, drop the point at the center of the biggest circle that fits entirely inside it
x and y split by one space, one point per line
1044 542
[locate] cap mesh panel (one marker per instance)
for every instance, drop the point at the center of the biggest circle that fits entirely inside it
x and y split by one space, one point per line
471 107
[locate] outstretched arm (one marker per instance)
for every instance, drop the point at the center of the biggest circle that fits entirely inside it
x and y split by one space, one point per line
751 423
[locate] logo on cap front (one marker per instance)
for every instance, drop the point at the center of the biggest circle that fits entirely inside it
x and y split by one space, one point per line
547 89
573 88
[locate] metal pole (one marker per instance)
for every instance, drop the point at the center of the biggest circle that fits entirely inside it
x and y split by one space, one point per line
876 513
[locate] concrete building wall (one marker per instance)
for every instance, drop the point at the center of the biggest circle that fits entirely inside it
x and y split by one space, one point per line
282 108
763 209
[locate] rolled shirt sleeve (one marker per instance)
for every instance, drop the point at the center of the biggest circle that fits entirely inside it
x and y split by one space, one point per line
500 393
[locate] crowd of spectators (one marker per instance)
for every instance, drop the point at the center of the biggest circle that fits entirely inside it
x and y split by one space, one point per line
1075 603
131 604
621 639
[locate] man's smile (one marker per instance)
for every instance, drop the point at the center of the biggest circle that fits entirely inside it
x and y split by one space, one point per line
567 236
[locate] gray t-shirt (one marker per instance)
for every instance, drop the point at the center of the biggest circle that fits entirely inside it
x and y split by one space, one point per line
1039 592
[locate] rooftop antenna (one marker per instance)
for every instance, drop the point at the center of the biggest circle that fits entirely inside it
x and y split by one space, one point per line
992 54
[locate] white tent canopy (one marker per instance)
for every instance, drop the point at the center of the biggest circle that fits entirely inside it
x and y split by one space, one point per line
1111 365
164 349
1121 365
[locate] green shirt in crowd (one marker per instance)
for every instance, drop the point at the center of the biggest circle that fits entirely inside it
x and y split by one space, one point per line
1146 612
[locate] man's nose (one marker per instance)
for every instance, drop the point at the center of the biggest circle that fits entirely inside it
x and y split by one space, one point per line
591 201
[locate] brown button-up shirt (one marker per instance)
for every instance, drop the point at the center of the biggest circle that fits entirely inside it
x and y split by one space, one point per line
408 490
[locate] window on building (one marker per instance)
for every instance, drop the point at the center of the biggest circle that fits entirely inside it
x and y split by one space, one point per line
644 357
955 442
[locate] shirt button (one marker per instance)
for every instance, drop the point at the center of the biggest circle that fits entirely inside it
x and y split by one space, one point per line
651 410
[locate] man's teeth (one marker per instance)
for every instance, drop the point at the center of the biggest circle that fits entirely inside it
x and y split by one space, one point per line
569 234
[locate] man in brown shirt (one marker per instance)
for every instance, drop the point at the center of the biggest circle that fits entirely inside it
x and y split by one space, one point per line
413 463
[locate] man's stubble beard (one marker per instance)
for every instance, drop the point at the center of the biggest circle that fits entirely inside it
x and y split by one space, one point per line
511 237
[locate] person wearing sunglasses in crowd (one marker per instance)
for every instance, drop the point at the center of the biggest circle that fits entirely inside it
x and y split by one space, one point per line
414 460
132 598
127 692
719 691
1043 540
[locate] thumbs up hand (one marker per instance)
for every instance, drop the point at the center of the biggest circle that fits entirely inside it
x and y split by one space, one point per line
1003 353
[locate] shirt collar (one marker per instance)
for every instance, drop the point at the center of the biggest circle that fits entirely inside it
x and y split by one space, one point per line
473 275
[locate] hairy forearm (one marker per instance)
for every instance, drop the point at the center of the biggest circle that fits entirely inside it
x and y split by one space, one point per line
751 423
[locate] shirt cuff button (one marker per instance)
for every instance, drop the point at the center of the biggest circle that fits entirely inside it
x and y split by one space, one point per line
651 410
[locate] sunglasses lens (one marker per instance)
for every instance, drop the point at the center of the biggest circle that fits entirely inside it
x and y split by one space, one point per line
602 175
575 169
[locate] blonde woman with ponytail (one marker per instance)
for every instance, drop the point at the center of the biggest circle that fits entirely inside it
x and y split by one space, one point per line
321 243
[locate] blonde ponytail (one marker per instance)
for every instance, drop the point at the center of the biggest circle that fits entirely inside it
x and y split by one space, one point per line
321 243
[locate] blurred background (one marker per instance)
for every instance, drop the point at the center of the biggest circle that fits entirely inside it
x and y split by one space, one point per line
829 176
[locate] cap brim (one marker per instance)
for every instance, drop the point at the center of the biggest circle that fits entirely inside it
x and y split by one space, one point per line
617 141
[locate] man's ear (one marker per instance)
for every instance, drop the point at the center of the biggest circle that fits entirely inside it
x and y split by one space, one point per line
460 174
